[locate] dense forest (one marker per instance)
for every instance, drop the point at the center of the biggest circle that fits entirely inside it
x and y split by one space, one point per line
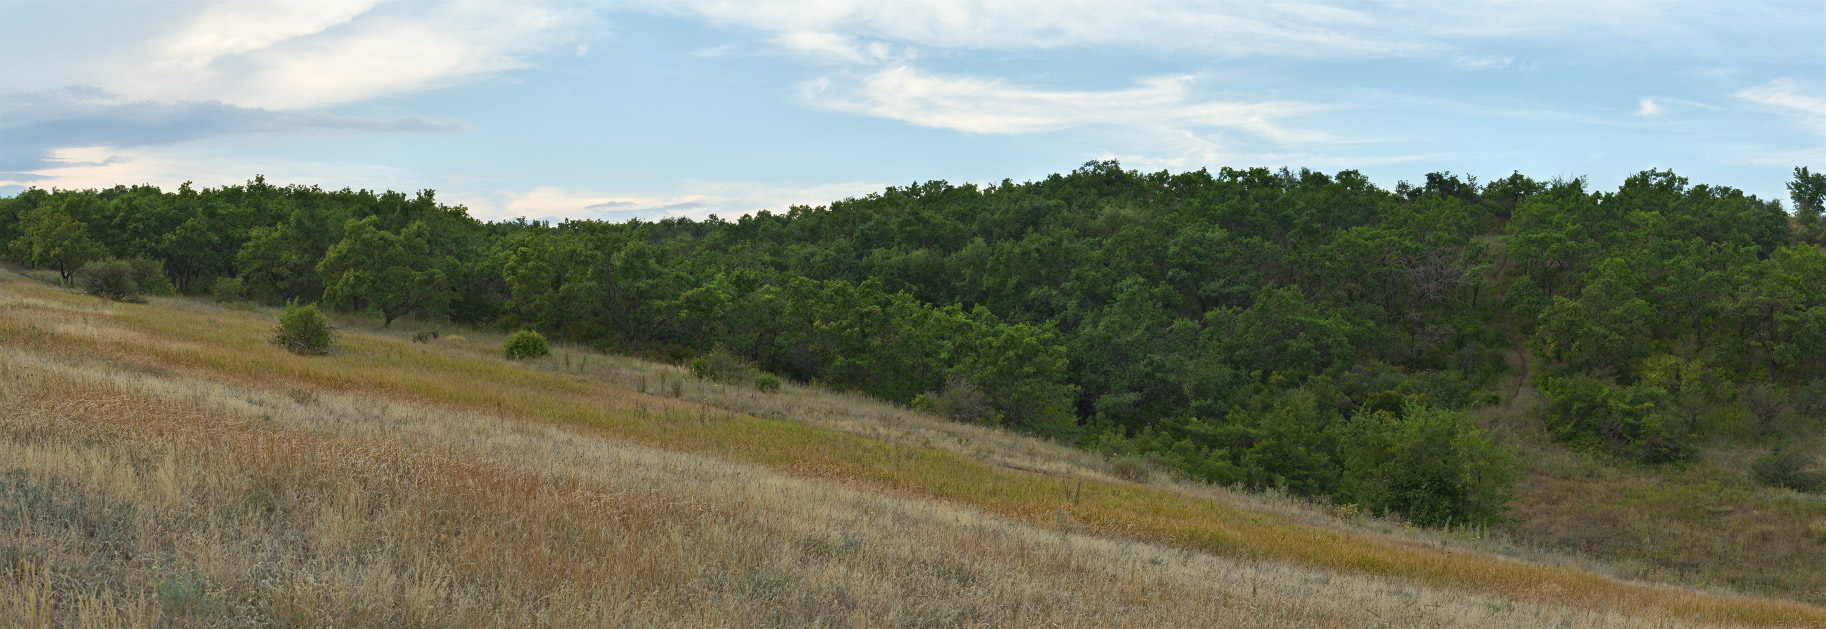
1310 333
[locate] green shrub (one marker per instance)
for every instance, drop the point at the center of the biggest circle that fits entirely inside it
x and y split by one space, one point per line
1432 466
767 382
1130 467
305 330
526 344
127 280
921 403
721 366
1784 467
1638 422
111 279
963 401
182 593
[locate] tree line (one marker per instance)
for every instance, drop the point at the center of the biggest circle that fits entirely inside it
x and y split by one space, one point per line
1293 330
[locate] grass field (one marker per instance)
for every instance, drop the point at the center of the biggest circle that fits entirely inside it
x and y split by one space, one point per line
162 464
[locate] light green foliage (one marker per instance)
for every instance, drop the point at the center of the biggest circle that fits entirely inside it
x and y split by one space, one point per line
525 344
304 329
1633 422
767 382
49 237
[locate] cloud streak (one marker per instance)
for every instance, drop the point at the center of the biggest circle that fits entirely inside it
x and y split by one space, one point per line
976 105
301 54
38 124
1793 99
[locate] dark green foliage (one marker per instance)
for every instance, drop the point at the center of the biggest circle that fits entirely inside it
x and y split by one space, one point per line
963 401
304 329
122 280
1432 466
525 344
1788 467
721 366
1242 326
1808 191
391 275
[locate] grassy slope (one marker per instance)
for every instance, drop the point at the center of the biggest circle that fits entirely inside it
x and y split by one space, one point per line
1705 523
171 463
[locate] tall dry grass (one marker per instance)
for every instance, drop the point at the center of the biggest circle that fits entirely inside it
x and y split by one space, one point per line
165 466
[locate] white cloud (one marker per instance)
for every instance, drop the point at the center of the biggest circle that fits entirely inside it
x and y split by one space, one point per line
1805 103
1648 107
977 105
309 53
239 27
1462 31
1291 28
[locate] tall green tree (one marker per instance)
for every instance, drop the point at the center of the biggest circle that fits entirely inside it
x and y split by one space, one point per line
277 265
50 237
1808 191
390 274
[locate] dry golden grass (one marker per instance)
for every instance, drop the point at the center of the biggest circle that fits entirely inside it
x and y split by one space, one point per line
162 464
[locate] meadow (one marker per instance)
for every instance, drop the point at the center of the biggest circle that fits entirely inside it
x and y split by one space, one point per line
164 465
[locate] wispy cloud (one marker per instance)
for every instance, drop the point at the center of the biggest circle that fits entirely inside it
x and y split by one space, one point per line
1805 103
297 54
977 105
37 124
241 27
1648 107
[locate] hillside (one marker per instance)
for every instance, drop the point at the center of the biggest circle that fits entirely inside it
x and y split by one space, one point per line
165 464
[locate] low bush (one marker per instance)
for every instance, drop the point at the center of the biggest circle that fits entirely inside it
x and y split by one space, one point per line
111 279
1786 467
1130 467
963 401
921 403
1641 423
721 366
767 382
305 330
526 344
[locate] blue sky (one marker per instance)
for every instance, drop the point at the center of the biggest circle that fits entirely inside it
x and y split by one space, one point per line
614 110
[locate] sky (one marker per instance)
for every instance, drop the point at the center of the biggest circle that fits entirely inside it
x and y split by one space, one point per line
617 110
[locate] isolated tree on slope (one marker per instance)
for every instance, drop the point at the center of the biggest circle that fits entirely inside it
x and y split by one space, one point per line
392 274
51 238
